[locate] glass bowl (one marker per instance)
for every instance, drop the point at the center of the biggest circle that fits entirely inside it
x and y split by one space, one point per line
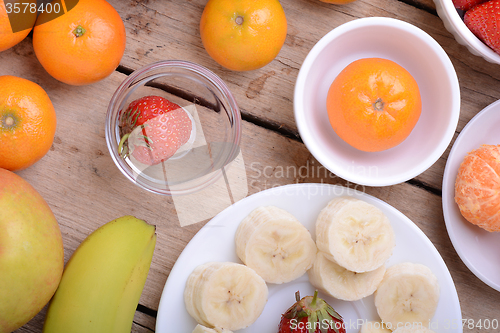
215 127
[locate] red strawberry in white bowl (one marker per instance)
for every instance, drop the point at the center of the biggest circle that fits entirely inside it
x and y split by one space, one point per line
467 4
153 130
484 22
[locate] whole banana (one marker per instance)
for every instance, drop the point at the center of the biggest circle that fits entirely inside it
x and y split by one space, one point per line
103 280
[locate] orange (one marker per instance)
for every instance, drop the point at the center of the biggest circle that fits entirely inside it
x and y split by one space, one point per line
477 187
7 37
27 123
84 45
243 35
373 104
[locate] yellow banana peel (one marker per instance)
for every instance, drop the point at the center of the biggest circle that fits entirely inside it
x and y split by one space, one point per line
103 280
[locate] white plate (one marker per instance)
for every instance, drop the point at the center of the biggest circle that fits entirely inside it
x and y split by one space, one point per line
478 248
215 242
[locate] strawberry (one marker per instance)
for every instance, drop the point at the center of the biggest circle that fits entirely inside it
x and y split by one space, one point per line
484 22
311 314
153 129
143 109
465 5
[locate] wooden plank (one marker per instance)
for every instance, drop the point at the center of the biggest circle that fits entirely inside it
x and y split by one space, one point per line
85 189
154 33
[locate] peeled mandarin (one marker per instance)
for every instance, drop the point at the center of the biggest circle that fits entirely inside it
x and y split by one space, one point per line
477 187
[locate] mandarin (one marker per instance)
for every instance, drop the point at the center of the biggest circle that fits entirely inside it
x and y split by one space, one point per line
27 123
477 187
83 46
8 38
373 104
243 35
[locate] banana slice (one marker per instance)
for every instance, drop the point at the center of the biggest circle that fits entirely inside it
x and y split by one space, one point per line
409 293
421 329
225 294
340 283
355 233
191 290
275 244
373 327
204 329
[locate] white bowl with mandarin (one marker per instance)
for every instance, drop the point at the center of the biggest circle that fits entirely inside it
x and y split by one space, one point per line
409 47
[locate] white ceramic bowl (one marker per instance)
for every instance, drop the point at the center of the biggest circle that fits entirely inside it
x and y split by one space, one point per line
411 48
456 26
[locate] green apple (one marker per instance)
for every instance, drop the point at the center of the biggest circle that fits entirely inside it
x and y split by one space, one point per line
31 252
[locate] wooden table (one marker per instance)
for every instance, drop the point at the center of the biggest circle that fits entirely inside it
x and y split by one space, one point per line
85 189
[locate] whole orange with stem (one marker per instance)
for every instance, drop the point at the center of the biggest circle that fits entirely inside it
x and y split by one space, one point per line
477 187
8 38
27 123
374 104
243 35
84 45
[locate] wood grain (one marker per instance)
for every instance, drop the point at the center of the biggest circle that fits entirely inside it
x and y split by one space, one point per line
85 189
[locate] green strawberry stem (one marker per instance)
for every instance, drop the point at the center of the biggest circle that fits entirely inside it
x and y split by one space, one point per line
121 150
315 297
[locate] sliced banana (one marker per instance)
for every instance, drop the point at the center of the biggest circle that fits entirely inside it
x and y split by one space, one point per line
191 290
275 244
225 294
409 293
204 329
340 283
355 233
421 329
373 327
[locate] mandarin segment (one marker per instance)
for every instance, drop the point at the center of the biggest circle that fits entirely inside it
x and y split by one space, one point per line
373 104
477 187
